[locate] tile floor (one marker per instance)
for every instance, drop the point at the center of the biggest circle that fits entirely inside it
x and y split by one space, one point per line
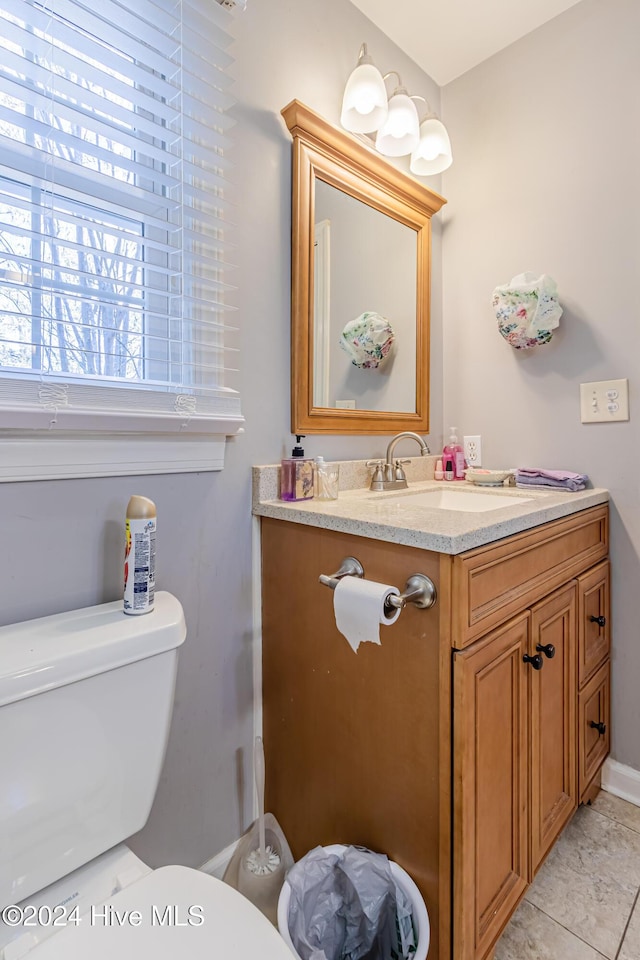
584 903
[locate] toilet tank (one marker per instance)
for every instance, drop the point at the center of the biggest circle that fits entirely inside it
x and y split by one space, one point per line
85 706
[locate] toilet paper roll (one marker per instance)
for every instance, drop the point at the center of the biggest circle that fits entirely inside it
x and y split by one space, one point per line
359 609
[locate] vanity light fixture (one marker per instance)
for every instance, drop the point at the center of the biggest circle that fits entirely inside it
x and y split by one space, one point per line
400 132
433 153
364 104
394 121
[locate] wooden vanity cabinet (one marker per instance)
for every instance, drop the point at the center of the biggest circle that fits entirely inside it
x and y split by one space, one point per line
443 747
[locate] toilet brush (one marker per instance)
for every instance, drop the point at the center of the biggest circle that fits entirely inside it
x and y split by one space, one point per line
265 859
262 857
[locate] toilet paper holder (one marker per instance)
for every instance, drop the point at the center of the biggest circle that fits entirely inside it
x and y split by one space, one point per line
419 590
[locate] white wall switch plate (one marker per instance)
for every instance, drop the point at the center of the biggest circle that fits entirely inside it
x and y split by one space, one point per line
604 400
473 451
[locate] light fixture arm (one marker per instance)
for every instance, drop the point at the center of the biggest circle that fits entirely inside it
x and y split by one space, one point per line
429 115
393 73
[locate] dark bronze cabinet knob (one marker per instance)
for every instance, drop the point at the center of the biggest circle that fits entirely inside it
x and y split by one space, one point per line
601 621
600 727
535 661
548 649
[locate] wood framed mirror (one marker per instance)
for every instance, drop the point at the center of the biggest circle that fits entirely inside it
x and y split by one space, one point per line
361 246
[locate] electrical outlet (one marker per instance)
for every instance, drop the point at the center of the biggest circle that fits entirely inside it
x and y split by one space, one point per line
473 451
604 400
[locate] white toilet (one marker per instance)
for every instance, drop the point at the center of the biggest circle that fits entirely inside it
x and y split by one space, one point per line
85 705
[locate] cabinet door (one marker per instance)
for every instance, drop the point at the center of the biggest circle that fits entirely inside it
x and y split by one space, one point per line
593 717
593 621
490 786
554 792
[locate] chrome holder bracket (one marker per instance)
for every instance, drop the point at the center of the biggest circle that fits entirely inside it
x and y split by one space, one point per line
419 590
350 567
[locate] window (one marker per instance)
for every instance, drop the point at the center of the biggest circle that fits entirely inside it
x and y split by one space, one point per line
113 249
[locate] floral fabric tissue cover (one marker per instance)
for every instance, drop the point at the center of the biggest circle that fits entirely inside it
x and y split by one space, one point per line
527 310
367 340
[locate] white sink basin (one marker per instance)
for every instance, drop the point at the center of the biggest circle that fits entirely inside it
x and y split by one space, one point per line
468 501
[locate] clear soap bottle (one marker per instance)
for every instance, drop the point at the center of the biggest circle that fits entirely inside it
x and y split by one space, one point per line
326 480
296 475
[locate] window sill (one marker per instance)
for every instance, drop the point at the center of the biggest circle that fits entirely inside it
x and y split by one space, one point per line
65 455
142 432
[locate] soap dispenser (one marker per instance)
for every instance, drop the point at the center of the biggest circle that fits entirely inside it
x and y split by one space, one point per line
296 474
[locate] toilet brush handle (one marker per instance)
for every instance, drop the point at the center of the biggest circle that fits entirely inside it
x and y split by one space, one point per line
258 762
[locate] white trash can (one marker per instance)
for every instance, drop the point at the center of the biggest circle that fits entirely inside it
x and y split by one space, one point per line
402 878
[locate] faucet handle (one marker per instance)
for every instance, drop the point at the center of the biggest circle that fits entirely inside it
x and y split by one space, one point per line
399 472
378 474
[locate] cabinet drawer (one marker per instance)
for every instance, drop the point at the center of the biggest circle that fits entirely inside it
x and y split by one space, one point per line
496 582
594 639
593 725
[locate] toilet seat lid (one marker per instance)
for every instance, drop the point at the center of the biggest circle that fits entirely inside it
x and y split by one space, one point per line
225 924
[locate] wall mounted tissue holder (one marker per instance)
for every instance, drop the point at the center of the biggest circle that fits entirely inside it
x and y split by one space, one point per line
419 590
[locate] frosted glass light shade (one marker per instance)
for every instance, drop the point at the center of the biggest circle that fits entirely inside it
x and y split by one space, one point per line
400 132
433 153
364 105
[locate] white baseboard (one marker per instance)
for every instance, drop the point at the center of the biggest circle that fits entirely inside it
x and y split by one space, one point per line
218 864
621 780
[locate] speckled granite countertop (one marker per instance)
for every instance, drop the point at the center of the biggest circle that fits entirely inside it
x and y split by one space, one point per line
392 516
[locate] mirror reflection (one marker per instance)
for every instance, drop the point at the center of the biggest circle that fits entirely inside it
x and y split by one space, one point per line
365 272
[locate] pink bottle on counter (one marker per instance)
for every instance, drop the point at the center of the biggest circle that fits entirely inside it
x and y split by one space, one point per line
454 451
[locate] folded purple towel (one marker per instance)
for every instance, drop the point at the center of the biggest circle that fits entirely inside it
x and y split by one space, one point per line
558 479
551 474
571 486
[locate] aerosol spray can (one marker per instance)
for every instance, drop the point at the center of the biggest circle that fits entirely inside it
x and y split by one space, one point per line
140 556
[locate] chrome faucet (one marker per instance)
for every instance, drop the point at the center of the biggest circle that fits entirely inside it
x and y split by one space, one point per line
389 475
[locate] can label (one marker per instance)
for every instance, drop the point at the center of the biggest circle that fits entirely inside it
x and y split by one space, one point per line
139 566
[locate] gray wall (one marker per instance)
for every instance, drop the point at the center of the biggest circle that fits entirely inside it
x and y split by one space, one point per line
545 178
62 541
303 50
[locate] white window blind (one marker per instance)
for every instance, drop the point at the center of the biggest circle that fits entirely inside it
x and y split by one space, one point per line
114 255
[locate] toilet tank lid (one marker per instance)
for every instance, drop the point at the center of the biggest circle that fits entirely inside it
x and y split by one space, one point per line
38 655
